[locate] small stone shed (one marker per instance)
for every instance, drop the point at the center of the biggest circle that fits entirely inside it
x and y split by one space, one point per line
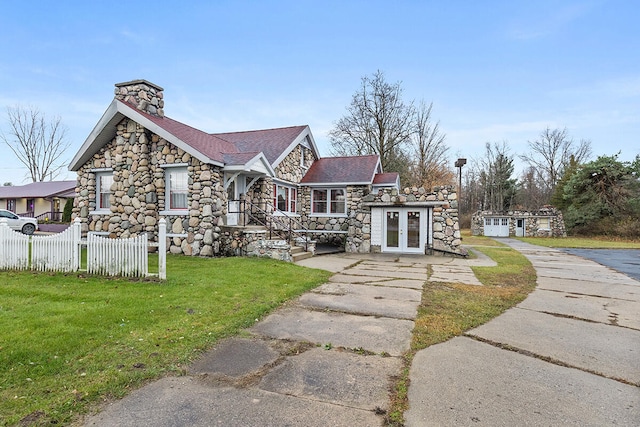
544 222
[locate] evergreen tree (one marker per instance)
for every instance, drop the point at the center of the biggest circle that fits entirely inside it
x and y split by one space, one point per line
601 196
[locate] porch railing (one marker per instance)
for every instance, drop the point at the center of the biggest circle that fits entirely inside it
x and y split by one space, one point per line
53 216
281 224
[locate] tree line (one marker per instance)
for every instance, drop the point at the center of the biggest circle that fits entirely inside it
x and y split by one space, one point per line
599 196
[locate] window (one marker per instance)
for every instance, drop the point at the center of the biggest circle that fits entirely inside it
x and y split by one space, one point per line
505 222
177 183
327 201
543 224
284 198
104 180
11 205
487 221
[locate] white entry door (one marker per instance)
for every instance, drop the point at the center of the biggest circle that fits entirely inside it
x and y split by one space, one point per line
235 187
404 230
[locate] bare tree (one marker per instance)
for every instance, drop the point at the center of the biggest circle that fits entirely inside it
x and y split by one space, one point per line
431 162
551 153
37 144
531 194
377 122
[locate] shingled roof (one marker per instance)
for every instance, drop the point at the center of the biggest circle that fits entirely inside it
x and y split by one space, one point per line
343 170
214 148
39 189
386 179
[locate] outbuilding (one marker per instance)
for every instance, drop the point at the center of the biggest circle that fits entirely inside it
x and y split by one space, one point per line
545 222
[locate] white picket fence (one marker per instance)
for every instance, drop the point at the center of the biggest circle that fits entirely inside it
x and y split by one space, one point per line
14 249
117 257
57 252
62 252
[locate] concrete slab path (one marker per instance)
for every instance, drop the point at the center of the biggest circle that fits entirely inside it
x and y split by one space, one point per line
326 358
567 355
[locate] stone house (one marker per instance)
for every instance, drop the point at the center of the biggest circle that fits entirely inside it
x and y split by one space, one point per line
225 193
545 222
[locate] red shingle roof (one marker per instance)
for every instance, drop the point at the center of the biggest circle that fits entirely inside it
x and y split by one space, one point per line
341 170
272 142
207 144
388 178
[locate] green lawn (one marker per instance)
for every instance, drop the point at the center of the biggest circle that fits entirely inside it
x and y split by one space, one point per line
582 242
68 342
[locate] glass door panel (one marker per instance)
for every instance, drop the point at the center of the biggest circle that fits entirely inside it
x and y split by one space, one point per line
413 229
393 229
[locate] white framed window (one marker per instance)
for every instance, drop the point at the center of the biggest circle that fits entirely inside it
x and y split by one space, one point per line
285 198
328 201
104 181
177 188
544 224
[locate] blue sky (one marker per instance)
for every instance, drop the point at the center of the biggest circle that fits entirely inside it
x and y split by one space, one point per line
494 70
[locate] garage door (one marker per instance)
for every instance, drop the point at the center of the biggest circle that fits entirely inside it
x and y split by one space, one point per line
496 227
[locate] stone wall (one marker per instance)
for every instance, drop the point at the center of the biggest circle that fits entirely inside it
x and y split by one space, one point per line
289 168
354 229
135 157
330 229
531 222
444 204
145 95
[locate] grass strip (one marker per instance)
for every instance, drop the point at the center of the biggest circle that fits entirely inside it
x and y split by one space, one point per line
448 310
582 242
70 342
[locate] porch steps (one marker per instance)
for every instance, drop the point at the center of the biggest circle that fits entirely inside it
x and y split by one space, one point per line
298 254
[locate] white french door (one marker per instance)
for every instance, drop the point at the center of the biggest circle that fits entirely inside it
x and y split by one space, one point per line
404 230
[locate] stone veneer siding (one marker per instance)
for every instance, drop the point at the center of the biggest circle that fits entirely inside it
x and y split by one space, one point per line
354 229
443 201
531 223
135 156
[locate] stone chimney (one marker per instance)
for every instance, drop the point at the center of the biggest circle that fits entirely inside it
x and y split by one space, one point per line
145 95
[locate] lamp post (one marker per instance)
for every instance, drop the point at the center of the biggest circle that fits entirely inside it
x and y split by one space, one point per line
459 164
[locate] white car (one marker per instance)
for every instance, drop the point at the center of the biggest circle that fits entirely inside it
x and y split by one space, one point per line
19 223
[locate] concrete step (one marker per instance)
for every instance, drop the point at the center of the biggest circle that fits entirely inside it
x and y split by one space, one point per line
298 254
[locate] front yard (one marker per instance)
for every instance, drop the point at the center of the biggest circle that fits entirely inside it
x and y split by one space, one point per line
70 342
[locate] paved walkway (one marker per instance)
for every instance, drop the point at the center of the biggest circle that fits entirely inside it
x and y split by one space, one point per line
327 358
567 355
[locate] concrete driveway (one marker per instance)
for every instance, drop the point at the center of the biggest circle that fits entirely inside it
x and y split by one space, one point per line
325 359
567 355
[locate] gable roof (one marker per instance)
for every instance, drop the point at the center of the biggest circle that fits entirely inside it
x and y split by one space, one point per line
272 142
207 147
359 170
387 179
39 189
